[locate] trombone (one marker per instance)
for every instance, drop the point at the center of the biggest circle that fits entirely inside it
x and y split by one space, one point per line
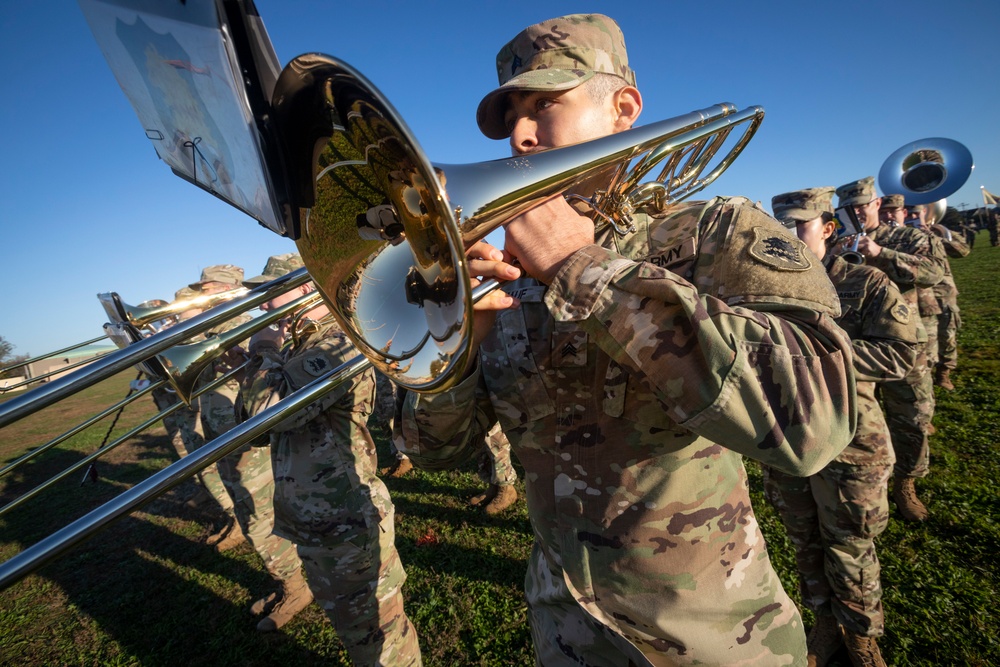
441 289
182 366
333 150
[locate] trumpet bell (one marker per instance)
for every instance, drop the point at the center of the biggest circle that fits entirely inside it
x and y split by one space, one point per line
926 170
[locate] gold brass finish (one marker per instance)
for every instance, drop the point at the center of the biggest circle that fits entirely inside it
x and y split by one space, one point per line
384 231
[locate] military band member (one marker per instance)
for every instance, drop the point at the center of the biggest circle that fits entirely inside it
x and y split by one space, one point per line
631 374
187 429
246 472
912 260
834 516
497 470
944 362
327 497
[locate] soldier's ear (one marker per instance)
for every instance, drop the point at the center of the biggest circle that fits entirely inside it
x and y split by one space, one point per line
628 105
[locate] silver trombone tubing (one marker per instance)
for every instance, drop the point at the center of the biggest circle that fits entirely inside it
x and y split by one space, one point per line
205 354
56 544
50 354
57 371
80 427
105 367
17 502
62 540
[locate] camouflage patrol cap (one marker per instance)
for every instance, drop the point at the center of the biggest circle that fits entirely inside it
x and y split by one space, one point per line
802 205
558 54
893 201
185 293
277 266
220 273
856 193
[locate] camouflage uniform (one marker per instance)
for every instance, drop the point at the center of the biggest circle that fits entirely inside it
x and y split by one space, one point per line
834 516
246 472
630 389
912 259
946 293
185 431
497 468
329 501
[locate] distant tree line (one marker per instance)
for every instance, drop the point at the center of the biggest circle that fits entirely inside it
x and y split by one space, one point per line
8 358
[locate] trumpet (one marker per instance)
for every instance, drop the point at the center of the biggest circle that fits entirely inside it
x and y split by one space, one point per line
851 254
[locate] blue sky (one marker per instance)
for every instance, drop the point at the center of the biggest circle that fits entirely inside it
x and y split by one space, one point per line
88 207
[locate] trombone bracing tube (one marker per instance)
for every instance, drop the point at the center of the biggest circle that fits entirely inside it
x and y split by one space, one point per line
56 544
59 542
105 367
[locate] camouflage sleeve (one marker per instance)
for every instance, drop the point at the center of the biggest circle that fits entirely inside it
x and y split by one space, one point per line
919 262
446 429
263 385
886 349
310 362
773 382
955 246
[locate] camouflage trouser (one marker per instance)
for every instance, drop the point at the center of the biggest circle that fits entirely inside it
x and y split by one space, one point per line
248 478
832 519
385 401
399 398
186 435
249 482
566 635
948 325
495 466
358 583
932 323
909 407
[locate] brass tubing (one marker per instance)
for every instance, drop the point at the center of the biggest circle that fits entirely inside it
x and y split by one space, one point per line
105 367
112 445
80 427
185 363
56 544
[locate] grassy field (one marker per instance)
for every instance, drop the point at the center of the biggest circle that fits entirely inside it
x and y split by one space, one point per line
146 591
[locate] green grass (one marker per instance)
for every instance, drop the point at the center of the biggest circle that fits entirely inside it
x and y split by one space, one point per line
145 591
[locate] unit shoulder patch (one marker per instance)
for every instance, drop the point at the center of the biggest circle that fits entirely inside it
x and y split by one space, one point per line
900 312
780 252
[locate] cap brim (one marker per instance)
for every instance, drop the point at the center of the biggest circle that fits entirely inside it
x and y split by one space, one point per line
491 109
854 201
793 216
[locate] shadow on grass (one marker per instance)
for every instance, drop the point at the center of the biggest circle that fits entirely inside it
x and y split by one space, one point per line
146 581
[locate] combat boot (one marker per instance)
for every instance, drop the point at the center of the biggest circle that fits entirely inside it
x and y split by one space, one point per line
506 496
823 641
229 537
399 468
485 497
198 498
265 604
295 596
942 378
904 494
863 650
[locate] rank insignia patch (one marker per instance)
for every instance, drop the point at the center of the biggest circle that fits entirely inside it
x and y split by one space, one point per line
781 252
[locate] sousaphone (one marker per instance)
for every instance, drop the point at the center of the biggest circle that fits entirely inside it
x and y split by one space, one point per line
927 171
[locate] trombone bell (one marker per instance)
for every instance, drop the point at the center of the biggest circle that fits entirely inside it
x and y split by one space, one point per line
384 231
